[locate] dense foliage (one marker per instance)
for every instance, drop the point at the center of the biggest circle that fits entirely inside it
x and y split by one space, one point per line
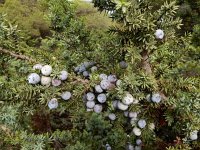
52 32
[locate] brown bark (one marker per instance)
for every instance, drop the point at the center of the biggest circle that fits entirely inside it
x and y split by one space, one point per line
16 55
145 62
146 66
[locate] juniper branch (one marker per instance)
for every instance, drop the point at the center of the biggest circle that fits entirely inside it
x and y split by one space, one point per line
18 56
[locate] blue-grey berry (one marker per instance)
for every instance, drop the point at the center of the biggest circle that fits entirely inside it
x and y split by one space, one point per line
53 103
101 98
37 67
118 82
98 89
82 69
56 82
45 80
86 74
33 78
114 104
108 147
103 76
66 95
93 69
63 75
138 148
194 135
105 84
126 113
142 123
123 65
112 116
132 114
122 106
76 69
86 64
90 104
90 96
138 141
112 78
156 98
159 34
98 108
129 147
137 131
46 70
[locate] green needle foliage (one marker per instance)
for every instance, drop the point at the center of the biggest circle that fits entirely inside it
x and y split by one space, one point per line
168 66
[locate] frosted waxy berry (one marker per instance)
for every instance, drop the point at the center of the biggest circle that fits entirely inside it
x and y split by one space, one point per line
45 80
133 121
129 147
37 67
108 147
156 98
132 114
128 99
56 82
126 113
114 103
86 74
76 69
151 126
101 98
123 65
86 64
138 147
98 108
138 141
53 103
105 84
159 34
66 95
103 76
33 78
112 78
148 98
122 106
46 70
112 116
194 135
90 96
118 83
137 131
82 68
63 75
98 89
90 104
142 123
94 68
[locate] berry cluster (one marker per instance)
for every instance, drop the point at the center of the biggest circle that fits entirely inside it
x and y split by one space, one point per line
45 79
137 147
96 98
85 69
53 103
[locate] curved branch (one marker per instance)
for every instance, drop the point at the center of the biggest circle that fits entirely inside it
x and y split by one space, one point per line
145 62
23 57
